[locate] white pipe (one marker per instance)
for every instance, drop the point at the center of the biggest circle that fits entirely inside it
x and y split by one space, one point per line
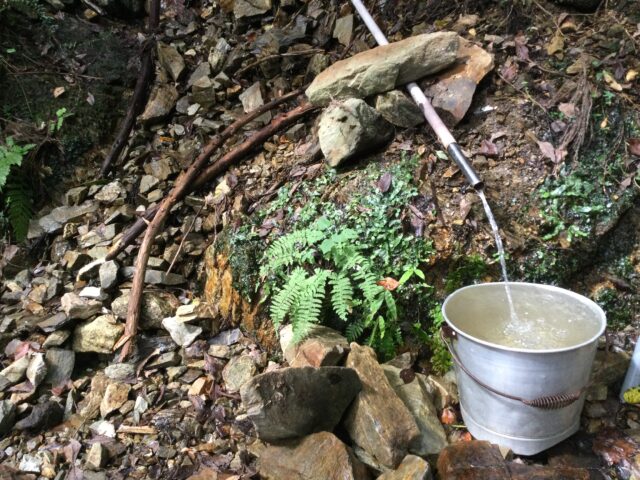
438 126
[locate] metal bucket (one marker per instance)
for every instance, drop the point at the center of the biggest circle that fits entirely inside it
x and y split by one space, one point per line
527 400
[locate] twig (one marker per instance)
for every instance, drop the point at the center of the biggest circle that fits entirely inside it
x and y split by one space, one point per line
266 58
184 238
193 176
141 224
139 94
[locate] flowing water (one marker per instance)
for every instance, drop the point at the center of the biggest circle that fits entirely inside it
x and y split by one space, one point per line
500 247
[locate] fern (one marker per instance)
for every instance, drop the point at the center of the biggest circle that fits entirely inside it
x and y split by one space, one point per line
284 298
341 295
308 304
19 200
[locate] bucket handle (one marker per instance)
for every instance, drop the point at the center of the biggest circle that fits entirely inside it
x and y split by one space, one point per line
551 402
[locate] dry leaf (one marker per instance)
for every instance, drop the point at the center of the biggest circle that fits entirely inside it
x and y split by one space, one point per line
489 149
634 146
547 150
90 99
556 44
58 91
448 416
613 85
631 76
568 109
384 183
521 48
388 283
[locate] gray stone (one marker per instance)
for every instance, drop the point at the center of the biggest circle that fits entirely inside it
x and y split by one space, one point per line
110 192
54 221
322 347
121 371
42 416
155 307
97 235
251 99
182 333
97 457
169 359
294 402
378 421
398 109
60 365
411 468
98 336
171 60
155 277
384 68
30 463
321 456
417 398
161 102
343 29
238 371
37 369
75 306
54 322
95 293
350 128
108 274
249 8
202 71
147 182
75 196
7 416
74 260
56 339
160 168
218 54
114 397
16 371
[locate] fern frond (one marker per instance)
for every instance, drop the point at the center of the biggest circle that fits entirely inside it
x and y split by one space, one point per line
19 202
290 249
308 305
355 330
285 297
341 295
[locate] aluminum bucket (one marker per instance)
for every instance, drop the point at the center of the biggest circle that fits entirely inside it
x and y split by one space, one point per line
527 400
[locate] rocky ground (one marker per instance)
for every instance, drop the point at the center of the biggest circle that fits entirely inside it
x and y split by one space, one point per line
542 98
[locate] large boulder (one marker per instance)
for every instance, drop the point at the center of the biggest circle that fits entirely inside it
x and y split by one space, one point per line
350 128
383 68
293 402
320 456
378 421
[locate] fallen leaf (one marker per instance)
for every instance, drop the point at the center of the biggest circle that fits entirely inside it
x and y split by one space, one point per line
631 76
90 99
384 183
388 283
613 84
448 416
489 149
568 109
634 146
547 150
556 45
58 91
521 48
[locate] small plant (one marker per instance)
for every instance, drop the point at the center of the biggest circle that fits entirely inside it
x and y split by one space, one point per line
14 189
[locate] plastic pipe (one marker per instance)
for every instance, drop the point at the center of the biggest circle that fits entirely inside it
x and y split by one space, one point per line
632 378
433 119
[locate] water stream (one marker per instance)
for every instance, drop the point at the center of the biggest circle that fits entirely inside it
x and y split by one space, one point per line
500 247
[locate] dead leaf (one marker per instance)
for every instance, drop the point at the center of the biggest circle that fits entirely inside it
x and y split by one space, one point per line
90 99
547 150
58 91
384 183
489 149
556 45
509 70
388 283
631 76
634 146
568 109
521 48
611 82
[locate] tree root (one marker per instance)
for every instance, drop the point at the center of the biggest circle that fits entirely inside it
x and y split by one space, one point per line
140 94
192 178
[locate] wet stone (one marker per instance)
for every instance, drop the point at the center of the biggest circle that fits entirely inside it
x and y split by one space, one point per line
60 365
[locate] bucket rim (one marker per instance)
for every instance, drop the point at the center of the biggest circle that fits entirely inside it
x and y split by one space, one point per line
601 314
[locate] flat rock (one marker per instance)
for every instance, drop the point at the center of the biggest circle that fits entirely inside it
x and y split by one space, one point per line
60 365
384 68
417 398
350 128
57 338
249 8
238 371
343 29
472 460
321 456
110 192
43 415
37 369
293 402
97 457
162 99
411 468
182 333
7 416
251 99
453 91
398 109
76 307
121 371
98 336
378 421
156 306
15 371
75 196
155 277
114 397
323 347
108 274
171 60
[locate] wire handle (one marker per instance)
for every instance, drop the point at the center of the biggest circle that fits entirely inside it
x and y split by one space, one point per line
551 402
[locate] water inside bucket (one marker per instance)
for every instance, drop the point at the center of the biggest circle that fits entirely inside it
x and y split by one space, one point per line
547 318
